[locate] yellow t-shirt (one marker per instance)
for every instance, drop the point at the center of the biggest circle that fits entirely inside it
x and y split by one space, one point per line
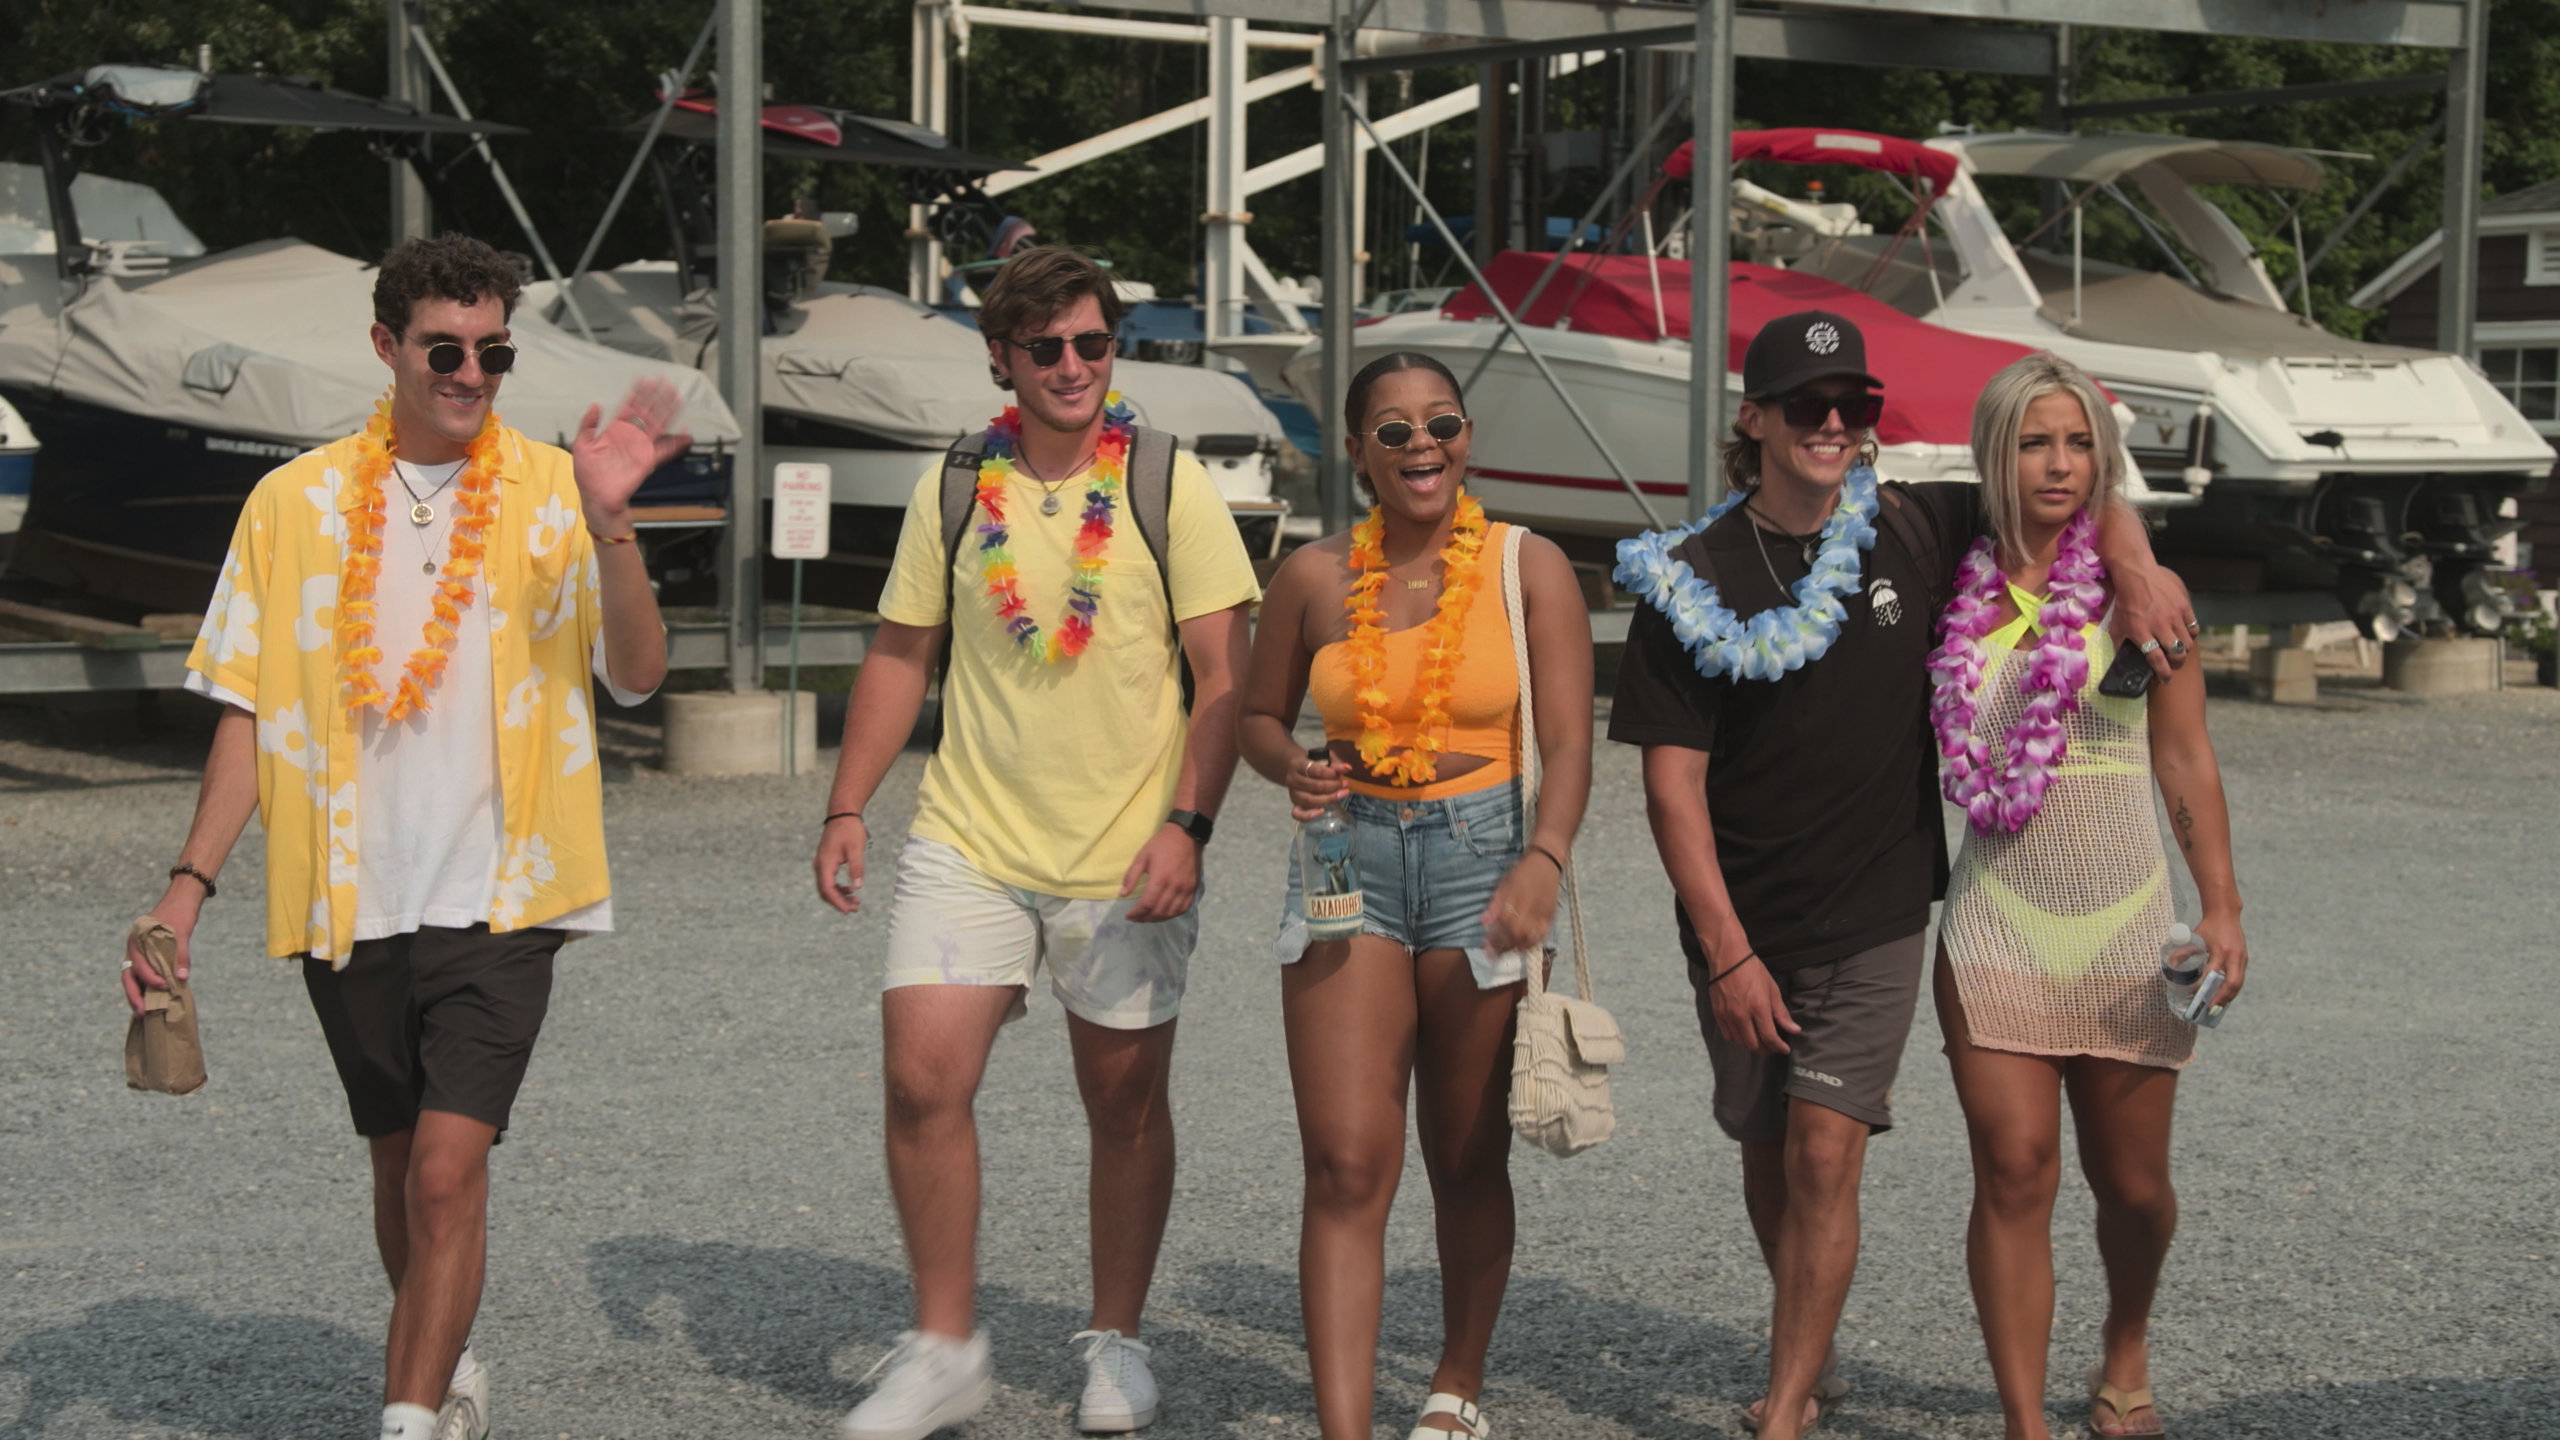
1050 777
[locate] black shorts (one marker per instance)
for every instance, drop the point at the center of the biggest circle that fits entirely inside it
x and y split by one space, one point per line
1856 1013
436 1019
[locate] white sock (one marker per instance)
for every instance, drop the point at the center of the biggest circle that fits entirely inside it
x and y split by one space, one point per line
408 1422
464 1367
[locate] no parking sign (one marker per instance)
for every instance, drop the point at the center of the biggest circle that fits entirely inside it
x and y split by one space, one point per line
801 510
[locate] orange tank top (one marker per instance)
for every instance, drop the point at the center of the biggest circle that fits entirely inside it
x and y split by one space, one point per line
1484 703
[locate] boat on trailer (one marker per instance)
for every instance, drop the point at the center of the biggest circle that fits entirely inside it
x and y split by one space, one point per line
2302 461
165 382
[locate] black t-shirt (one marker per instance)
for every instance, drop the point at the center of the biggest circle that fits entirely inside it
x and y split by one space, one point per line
1823 784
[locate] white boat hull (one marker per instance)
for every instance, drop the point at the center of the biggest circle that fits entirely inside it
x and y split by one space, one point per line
1533 463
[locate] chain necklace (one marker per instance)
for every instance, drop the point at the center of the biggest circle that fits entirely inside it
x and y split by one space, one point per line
1048 491
422 514
427 549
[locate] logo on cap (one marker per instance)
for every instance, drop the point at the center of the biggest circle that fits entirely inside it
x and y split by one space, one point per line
1822 337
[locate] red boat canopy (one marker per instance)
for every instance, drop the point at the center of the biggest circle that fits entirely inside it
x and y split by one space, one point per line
1931 375
1829 147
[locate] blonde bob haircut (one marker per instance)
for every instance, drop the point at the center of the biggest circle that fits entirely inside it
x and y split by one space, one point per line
2001 413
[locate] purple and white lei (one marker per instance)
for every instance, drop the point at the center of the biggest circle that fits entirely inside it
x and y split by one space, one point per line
2057 667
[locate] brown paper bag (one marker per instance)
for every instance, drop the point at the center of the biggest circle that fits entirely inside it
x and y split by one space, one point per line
161 1048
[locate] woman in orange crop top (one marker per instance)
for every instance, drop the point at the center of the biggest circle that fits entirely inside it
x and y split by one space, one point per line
1453 893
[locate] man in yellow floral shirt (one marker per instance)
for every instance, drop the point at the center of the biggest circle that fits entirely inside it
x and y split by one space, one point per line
402 639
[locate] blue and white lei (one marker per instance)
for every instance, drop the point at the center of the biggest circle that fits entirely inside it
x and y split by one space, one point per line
1772 642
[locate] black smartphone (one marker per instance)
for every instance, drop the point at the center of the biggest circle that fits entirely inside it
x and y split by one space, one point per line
2130 677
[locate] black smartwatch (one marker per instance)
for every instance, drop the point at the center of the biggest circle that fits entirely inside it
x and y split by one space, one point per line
1194 824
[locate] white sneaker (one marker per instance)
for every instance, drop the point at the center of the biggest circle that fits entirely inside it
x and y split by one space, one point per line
1119 1389
929 1382
465 1412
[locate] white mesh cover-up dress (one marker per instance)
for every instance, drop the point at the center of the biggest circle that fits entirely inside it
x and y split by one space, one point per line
2054 933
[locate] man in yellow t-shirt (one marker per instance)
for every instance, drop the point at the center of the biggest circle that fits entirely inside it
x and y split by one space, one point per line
1060 822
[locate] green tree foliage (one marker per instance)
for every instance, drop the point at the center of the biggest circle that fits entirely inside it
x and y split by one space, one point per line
576 71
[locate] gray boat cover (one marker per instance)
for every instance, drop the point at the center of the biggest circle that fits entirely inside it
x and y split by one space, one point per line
877 362
271 340
2137 307
2089 159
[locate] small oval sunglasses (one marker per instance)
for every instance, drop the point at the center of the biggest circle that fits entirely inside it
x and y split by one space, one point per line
1444 427
1048 350
497 357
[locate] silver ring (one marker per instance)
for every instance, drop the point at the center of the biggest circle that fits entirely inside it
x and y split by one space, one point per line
2194 629
2177 647
128 964
2147 646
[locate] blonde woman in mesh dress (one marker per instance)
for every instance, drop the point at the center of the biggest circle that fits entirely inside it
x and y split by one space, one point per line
2048 972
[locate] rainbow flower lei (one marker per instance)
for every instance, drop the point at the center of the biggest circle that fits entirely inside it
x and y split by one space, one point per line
1101 500
2056 669
1775 641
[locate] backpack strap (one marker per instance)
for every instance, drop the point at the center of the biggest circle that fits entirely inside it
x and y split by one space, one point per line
1150 487
959 507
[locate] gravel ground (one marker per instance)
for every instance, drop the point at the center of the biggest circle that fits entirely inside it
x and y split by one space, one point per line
692 1235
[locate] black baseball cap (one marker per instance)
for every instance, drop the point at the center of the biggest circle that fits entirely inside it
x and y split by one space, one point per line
1795 350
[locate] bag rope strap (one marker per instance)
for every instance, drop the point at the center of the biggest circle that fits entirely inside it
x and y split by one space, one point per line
1531 770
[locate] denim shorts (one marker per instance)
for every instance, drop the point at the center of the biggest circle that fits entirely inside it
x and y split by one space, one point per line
1427 870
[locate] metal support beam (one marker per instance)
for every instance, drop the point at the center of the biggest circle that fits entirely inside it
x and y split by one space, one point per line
1710 250
1821 39
506 187
1333 464
670 85
2458 269
1492 167
928 105
2435 24
2242 99
411 217
1493 19
1070 23
741 310
1223 244
1138 132
2365 204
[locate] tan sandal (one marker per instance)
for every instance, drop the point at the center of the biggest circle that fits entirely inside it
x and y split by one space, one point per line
2122 1402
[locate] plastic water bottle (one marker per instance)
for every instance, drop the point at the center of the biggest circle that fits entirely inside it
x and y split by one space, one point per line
2183 974
1329 872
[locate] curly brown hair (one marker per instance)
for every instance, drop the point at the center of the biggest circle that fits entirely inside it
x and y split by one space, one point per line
446 267
1037 283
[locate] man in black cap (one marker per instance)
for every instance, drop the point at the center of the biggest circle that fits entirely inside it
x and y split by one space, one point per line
1791 782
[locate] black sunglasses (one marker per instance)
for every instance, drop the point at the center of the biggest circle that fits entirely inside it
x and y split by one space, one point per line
497 357
1048 350
1805 410
1444 427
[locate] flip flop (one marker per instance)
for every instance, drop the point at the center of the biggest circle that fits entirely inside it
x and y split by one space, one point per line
2122 1402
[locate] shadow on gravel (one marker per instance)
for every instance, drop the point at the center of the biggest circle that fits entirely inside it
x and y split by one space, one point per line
2474 1408
1648 1369
779 1318
169 1363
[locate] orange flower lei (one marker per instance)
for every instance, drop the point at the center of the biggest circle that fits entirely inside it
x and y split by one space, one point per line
475 501
1444 636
